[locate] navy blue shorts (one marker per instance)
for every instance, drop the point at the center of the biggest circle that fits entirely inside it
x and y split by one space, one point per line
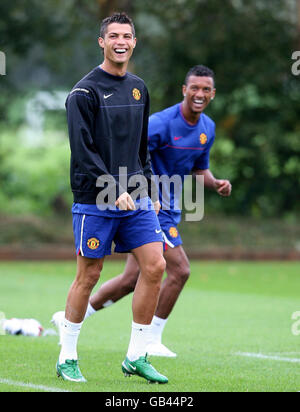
171 234
94 234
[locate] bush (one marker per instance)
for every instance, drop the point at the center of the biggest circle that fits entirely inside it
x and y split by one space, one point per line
35 179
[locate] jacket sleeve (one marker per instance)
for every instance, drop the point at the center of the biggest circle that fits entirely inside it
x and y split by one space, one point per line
144 154
81 107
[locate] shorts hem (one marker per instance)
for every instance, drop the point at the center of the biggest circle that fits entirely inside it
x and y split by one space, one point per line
101 255
142 243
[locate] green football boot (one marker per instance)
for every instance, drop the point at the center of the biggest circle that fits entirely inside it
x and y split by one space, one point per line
143 368
70 371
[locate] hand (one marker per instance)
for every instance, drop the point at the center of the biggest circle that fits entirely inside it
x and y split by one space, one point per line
223 187
125 202
157 206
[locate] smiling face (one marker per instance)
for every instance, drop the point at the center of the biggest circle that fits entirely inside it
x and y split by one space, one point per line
118 44
198 93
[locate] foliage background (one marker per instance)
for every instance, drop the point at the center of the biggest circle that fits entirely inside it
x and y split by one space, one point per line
50 45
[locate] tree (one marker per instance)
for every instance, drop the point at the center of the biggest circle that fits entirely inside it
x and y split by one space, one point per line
298 9
50 45
108 7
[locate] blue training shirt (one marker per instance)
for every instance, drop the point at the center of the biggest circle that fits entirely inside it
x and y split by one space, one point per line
176 147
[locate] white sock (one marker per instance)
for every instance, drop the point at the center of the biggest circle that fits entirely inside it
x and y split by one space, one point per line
89 311
140 337
69 337
157 328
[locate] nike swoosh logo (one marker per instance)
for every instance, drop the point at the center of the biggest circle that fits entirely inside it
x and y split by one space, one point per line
130 366
157 231
177 137
106 96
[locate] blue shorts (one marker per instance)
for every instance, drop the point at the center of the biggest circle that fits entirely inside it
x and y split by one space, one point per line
171 235
94 234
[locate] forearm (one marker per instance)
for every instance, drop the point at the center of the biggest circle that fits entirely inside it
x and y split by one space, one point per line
210 182
221 186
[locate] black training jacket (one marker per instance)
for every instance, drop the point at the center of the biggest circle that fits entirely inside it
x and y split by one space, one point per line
108 129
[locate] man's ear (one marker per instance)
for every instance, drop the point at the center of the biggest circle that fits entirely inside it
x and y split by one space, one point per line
101 42
213 95
184 90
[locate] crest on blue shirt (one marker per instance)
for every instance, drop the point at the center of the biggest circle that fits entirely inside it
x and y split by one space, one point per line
203 138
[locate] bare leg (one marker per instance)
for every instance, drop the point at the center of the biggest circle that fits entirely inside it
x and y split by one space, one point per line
146 294
88 273
145 298
177 275
178 271
118 287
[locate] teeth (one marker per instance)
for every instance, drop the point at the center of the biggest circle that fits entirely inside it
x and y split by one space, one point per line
199 101
120 50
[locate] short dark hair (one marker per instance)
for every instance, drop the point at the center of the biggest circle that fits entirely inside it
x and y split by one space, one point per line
121 18
201 71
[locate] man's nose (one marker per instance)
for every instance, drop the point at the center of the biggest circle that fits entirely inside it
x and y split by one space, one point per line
200 94
121 41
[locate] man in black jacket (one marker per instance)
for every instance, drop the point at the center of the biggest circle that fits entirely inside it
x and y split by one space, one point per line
107 115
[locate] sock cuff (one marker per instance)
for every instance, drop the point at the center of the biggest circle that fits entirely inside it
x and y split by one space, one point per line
141 327
89 311
71 327
160 321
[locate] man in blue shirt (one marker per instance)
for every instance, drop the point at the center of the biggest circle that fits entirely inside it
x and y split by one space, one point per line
180 140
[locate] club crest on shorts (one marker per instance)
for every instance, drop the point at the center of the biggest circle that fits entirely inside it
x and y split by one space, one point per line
93 243
173 232
136 94
203 138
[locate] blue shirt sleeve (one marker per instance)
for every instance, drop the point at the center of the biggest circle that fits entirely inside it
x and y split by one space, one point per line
156 133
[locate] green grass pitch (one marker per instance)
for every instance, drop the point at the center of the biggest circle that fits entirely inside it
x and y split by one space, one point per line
231 328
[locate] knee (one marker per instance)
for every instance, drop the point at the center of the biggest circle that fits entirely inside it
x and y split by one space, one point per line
185 273
88 277
155 269
161 265
181 274
93 275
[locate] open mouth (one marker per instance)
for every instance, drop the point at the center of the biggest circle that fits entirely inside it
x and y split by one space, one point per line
120 51
199 102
